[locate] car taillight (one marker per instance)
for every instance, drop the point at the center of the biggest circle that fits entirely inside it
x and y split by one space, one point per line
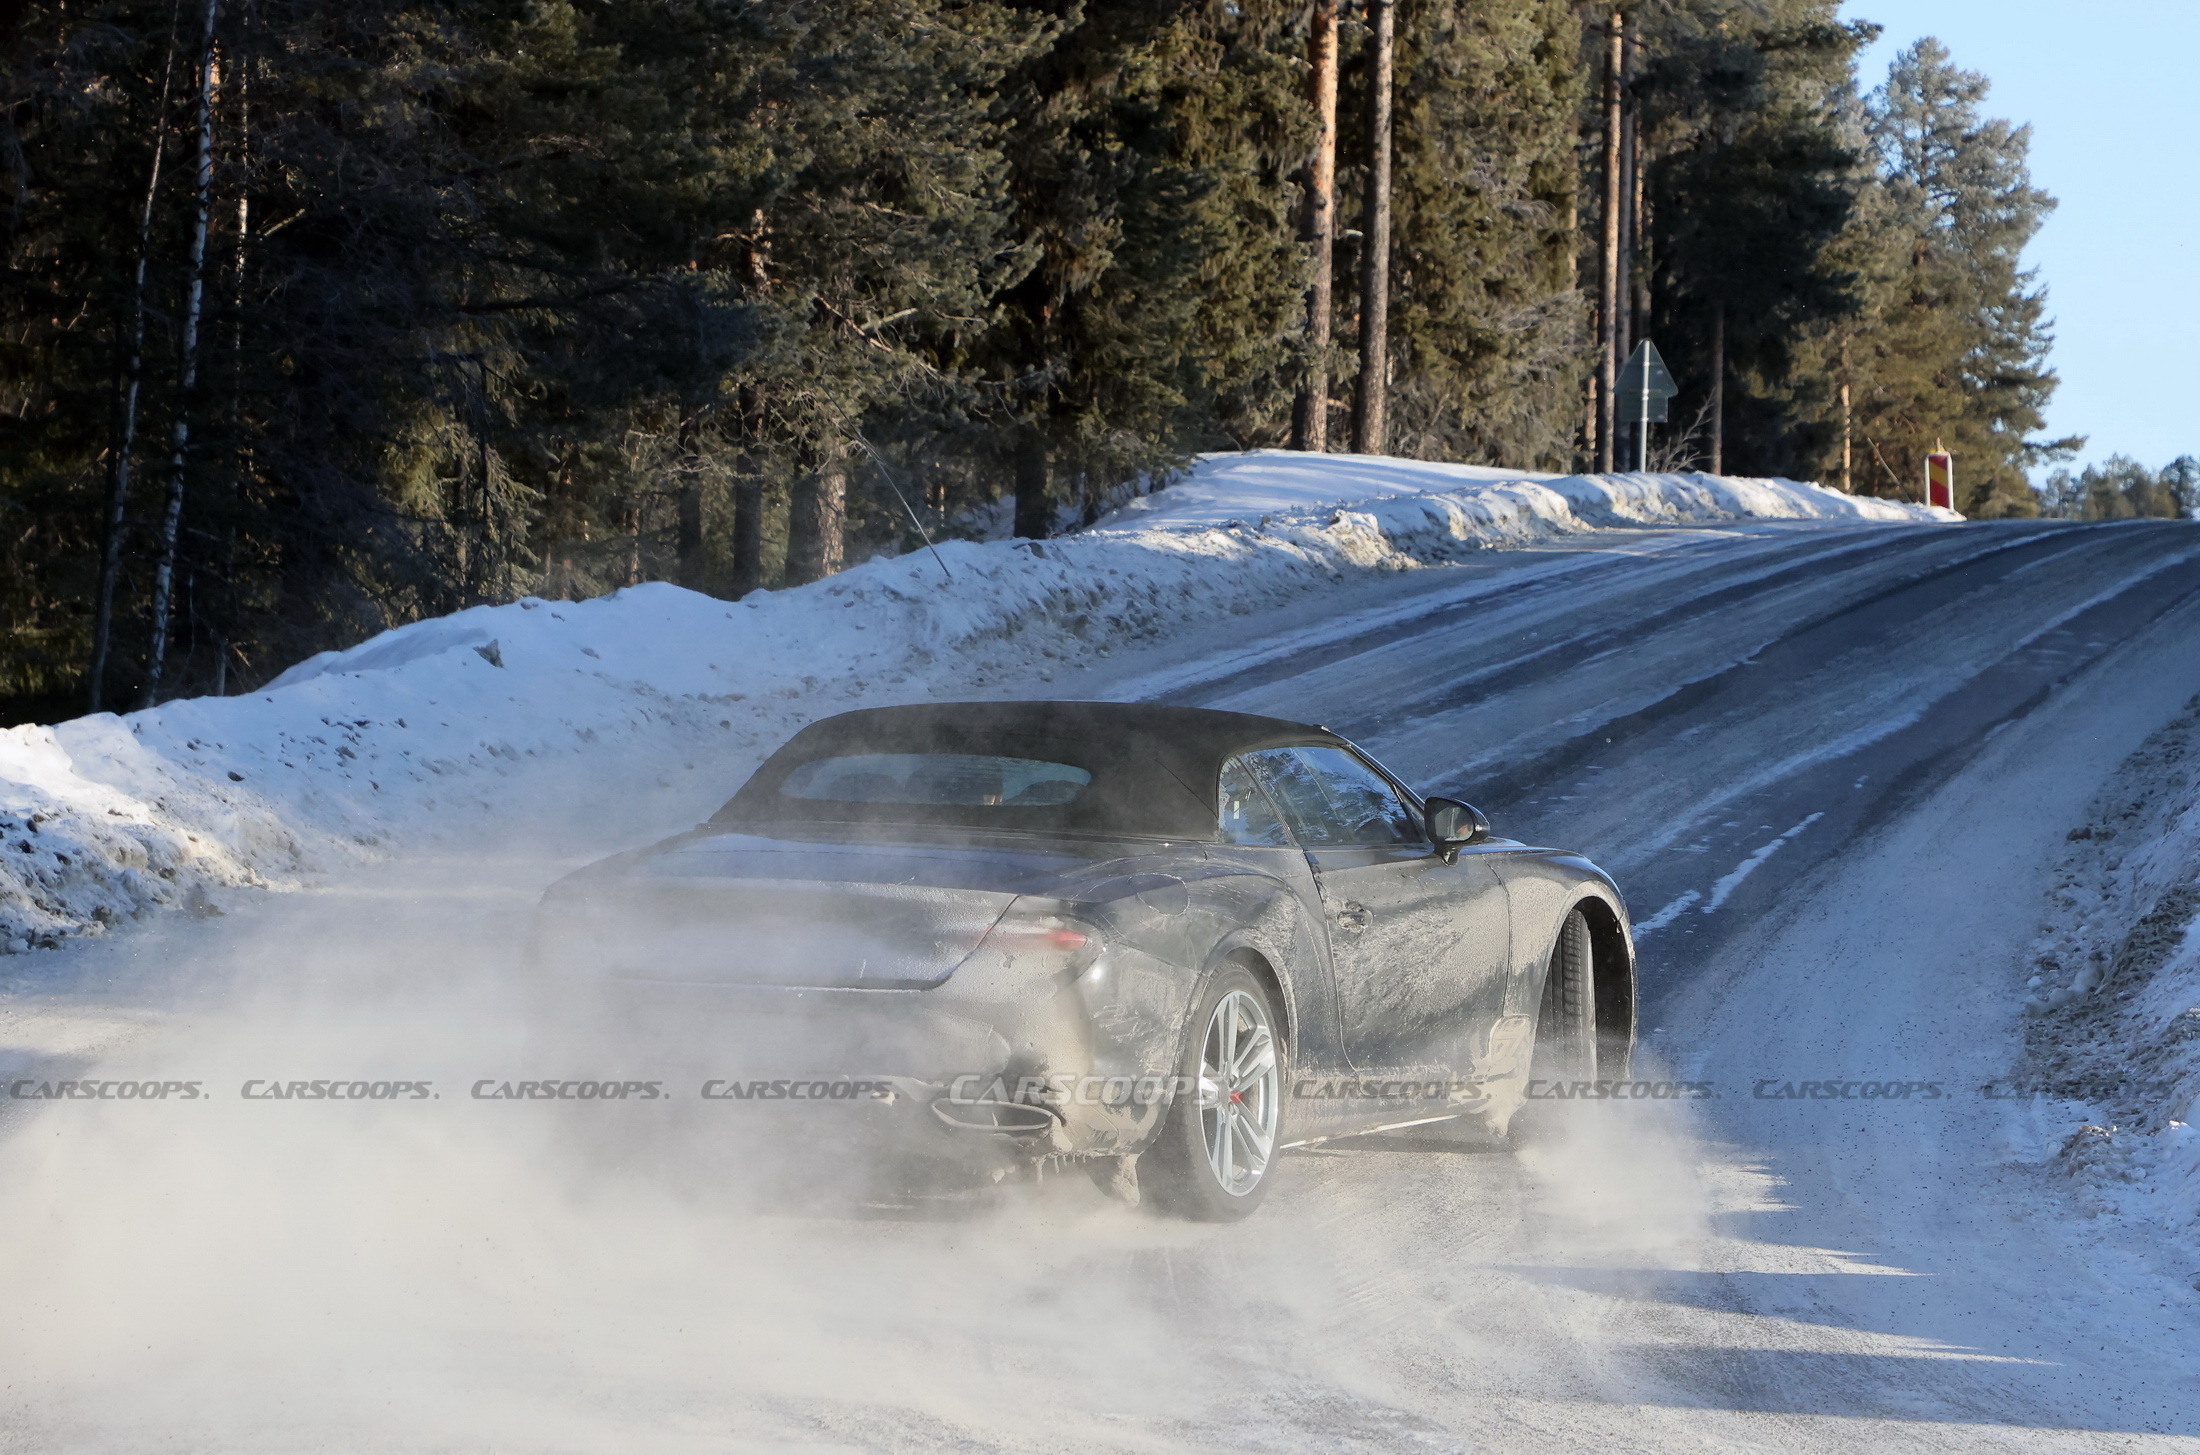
1043 934
1038 937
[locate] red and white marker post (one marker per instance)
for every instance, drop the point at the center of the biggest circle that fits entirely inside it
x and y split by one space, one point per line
1940 479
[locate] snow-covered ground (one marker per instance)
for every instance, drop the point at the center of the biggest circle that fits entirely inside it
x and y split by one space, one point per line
434 731
1859 747
2114 988
1226 489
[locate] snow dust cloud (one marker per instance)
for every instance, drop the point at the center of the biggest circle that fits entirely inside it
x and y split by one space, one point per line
442 1271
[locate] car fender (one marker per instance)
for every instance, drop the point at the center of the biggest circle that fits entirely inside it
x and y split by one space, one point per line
1542 886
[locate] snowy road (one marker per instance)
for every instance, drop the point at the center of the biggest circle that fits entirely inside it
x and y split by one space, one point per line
1731 696
1830 766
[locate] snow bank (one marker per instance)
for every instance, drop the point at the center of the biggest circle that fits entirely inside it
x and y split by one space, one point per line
2115 988
1225 488
538 716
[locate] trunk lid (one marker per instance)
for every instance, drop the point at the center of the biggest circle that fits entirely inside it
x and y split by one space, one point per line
736 909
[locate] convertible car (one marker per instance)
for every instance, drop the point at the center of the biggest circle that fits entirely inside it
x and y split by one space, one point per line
1163 943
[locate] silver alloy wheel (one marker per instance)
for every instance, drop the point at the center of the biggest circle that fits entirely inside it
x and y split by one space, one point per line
1240 1092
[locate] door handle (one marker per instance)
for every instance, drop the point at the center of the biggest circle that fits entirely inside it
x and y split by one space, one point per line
1354 915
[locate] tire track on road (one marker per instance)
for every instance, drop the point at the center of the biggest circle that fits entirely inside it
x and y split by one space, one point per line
1576 652
1862 791
1712 561
1802 647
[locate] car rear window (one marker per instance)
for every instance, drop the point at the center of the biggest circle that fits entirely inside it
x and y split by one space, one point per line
957 780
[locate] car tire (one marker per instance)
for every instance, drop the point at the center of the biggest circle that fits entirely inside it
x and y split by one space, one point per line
1216 1152
1566 1043
1566 1023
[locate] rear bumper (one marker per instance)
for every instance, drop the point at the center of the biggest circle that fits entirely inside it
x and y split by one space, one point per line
908 1071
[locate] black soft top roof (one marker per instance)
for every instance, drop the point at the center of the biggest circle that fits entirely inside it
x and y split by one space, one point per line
1154 768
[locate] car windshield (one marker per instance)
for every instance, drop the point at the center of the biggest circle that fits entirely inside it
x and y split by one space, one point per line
962 780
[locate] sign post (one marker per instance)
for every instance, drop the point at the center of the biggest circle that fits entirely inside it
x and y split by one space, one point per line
1940 479
1644 387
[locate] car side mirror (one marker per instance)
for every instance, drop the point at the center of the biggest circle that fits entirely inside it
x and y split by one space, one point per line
1454 825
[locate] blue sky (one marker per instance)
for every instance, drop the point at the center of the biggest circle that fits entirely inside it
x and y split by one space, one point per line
2109 88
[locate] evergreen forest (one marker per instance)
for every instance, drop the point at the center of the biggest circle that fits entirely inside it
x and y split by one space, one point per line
322 317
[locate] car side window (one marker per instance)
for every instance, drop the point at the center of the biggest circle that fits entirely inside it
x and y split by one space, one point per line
1296 791
1333 800
1247 815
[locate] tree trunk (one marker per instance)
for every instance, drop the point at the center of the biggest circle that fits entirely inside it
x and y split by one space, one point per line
171 524
118 479
748 529
1586 455
817 523
1369 425
1718 389
1635 431
1034 493
1635 257
688 532
240 257
1624 311
242 70
748 502
1634 260
485 548
688 536
748 485
1848 481
1318 229
1591 433
1608 294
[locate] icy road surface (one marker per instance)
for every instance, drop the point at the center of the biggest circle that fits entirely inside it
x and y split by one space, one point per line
1828 764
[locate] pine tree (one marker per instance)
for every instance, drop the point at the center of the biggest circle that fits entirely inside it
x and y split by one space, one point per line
79 113
803 202
1153 168
537 295
1318 231
1952 346
2181 477
1751 184
2120 488
558 297
1487 329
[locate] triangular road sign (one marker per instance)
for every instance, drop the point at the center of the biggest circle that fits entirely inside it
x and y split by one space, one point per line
1644 386
1644 360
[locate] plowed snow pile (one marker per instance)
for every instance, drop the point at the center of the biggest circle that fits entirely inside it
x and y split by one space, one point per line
438 731
2114 1043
